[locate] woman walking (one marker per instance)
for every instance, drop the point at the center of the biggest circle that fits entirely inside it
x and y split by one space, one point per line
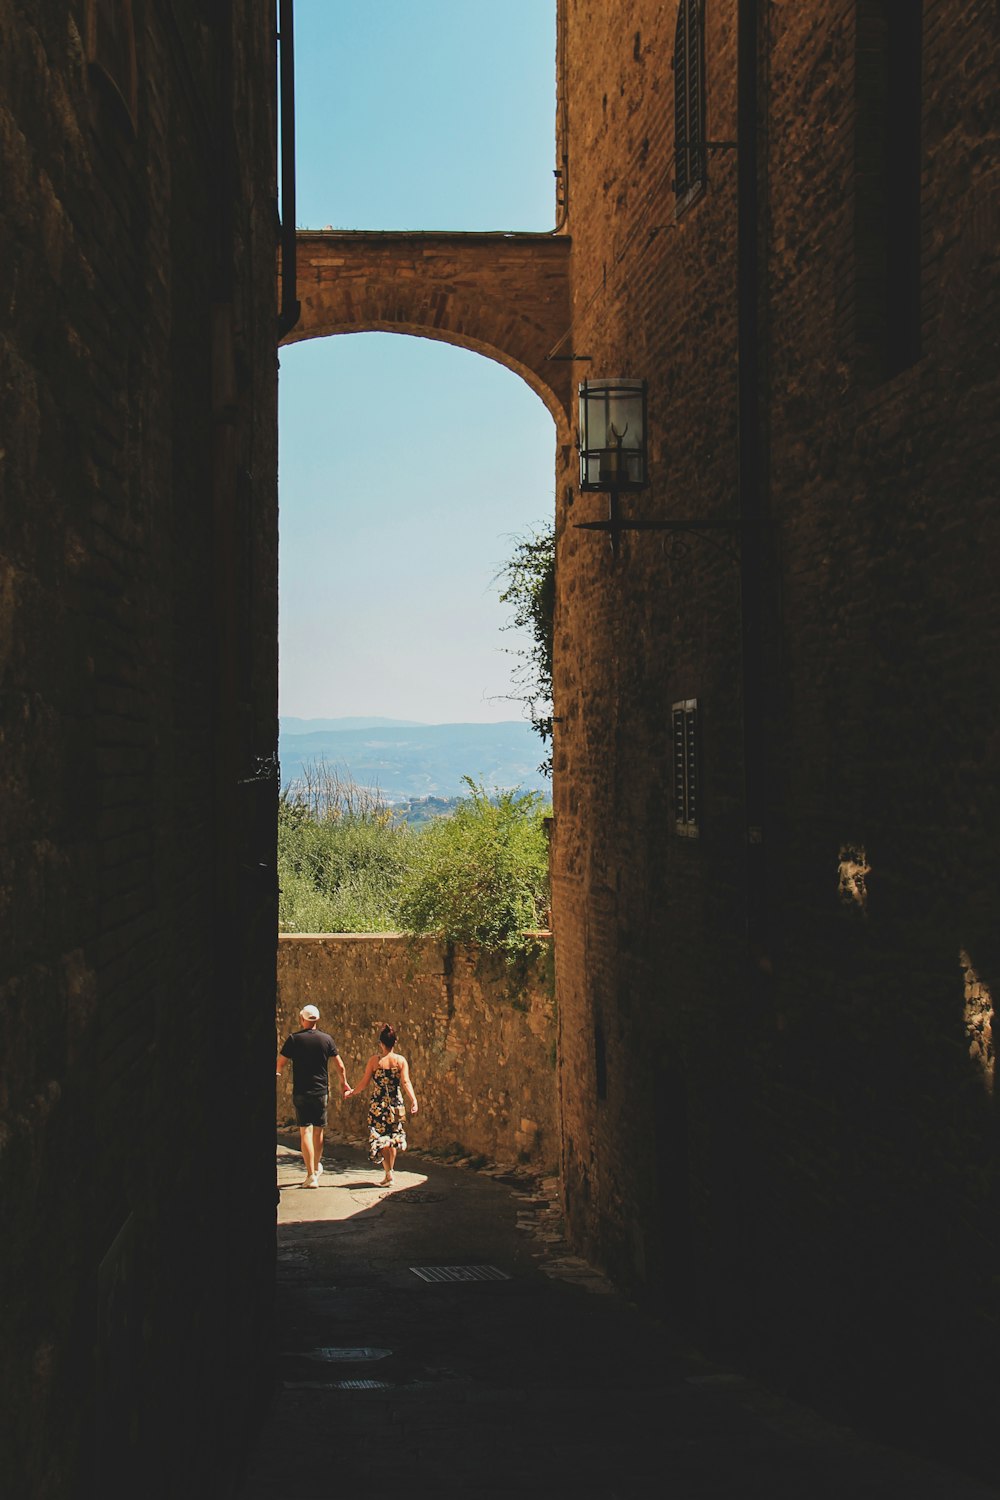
389 1073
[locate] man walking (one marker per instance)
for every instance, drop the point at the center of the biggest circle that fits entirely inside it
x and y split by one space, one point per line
309 1052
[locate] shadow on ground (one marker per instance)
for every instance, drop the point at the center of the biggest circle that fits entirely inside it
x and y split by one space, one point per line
537 1381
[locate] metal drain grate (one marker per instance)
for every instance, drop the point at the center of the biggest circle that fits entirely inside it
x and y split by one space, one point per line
347 1356
459 1273
337 1385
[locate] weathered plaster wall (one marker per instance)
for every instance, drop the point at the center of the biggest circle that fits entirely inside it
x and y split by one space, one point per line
137 688
481 1052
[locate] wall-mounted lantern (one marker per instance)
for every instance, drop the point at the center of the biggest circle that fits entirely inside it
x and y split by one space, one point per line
613 461
613 435
612 443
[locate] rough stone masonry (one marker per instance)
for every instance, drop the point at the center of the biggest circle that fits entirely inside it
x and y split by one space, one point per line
479 1038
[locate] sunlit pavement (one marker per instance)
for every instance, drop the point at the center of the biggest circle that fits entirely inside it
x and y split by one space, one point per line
546 1383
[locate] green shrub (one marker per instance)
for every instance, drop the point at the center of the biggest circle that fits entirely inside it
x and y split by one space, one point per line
478 875
339 870
481 875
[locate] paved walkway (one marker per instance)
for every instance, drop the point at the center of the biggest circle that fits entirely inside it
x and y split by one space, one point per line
546 1383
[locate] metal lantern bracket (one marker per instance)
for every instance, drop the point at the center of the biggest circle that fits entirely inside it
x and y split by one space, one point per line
702 529
613 462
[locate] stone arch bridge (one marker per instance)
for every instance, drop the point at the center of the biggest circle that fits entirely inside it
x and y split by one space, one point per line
502 295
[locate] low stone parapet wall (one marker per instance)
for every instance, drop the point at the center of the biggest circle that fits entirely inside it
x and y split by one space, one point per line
480 1043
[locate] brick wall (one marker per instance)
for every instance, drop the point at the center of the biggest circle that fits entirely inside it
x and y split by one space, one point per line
480 1042
799 1137
634 634
137 689
501 295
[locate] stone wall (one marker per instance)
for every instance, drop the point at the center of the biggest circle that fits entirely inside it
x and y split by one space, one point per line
481 1047
776 1060
798 1134
137 694
502 295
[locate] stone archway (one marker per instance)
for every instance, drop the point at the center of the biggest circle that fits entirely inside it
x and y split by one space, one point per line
505 296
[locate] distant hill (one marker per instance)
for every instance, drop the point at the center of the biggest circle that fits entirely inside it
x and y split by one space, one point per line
313 726
420 760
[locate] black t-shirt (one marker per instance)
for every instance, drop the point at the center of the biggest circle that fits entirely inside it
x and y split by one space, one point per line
309 1051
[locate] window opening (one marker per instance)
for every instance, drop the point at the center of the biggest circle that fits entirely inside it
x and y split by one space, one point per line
600 1061
111 50
689 101
887 157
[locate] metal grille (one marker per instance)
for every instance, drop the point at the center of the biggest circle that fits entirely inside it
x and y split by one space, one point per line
347 1356
459 1273
687 788
689 98
337 1385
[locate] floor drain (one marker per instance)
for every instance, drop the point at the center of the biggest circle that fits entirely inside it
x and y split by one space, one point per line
459 1273
337 1385
347 1356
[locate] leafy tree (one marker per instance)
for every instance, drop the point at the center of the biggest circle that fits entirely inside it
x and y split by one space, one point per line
478 875
481 875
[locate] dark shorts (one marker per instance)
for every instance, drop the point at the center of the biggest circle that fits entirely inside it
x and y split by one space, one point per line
310 1109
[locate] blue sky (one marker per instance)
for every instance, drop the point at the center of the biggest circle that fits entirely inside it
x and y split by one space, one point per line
408 467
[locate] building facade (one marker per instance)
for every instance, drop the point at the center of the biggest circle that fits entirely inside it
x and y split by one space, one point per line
776 871
775 868
776 824
138 724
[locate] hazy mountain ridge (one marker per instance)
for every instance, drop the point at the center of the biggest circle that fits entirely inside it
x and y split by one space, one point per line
369 721
419 760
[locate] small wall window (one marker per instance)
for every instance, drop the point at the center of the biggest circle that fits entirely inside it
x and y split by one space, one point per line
687 778
689 101
887 234
111 50
600 1061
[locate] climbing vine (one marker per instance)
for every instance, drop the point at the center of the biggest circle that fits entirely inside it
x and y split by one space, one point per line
529 586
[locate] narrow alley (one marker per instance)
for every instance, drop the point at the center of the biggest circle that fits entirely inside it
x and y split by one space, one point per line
738 263
526 1375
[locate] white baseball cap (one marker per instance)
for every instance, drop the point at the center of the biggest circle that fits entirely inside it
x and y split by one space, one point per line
309 1012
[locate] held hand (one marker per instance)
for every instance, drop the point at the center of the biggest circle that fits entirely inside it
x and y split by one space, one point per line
413 1107
348 1091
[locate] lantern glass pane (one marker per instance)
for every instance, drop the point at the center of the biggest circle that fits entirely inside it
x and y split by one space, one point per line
612 434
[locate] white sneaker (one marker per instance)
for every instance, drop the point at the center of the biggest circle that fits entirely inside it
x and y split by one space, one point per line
319 1170
311 1181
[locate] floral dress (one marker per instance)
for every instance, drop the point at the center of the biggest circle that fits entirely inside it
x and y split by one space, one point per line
385 1124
